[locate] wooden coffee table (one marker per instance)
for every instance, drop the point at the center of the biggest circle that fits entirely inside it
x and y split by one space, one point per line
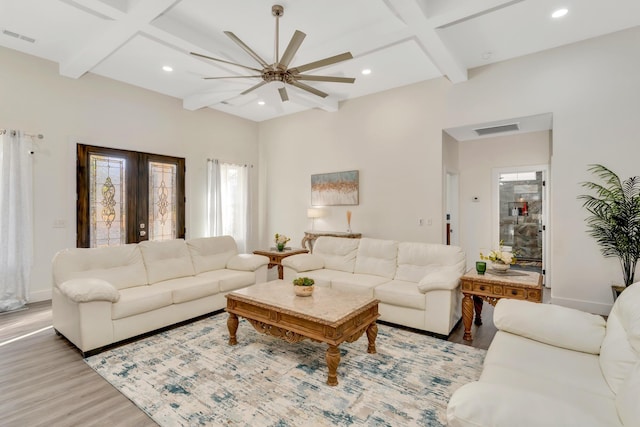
490 287
328 316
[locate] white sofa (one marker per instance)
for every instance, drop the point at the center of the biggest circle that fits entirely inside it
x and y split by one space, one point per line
105 295
554 366
417 283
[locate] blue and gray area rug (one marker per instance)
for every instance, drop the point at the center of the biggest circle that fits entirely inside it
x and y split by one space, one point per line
190 376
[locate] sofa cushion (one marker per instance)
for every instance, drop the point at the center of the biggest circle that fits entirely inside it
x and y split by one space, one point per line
166 260
121 266
377 257
324 277
360 283
551 324
247 262
140 299
482 404
416 260
303 262
519 361
627 398
401 293
230 280
620 349
189 288
211 253
338 253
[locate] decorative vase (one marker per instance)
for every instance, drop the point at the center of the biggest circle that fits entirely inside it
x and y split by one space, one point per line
303 291
280 247
500 267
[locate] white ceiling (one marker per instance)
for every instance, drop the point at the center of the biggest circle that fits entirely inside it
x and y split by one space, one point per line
401 41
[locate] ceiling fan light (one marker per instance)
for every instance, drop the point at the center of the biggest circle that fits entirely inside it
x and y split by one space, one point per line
559 13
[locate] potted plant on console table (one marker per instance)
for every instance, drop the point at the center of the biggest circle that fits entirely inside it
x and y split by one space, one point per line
614 219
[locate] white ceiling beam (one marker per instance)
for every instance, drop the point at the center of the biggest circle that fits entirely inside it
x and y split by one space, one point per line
297 96
413 16
118 33
470 10
201 100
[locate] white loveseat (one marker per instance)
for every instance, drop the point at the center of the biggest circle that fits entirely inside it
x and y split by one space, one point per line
105 295
417 283
554 366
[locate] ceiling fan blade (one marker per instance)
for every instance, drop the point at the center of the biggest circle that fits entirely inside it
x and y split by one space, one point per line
325 79
223 61
291 50
309 89
247 49
229 77
322 63
252 88
283 94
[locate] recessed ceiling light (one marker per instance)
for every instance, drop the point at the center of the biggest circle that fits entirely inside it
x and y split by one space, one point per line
366 71
167 68
559 13
261 102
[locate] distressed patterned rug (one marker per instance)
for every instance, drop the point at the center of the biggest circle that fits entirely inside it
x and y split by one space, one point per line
191 376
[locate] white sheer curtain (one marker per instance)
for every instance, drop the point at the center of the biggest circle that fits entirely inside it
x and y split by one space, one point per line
16 219
228 201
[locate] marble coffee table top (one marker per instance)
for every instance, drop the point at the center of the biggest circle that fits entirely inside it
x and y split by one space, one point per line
327 305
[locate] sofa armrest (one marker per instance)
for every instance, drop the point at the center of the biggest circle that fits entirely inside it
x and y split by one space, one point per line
439 279
86 290
486 404
551 324
247 262
303 262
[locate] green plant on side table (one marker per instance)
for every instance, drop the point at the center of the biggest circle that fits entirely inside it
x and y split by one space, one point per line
303 286
614 220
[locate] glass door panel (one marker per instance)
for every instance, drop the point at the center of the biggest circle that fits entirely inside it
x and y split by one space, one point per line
162 201
106 201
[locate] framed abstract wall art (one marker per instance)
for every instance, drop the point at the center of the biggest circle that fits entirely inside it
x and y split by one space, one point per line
335 189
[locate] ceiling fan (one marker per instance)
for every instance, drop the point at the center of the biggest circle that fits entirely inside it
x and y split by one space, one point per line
279 70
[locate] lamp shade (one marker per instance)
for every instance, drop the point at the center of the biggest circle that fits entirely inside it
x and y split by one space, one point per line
315 213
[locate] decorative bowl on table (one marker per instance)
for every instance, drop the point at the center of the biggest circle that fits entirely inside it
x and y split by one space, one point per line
303 286
499 267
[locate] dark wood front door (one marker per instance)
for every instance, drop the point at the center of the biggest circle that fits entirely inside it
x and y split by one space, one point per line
127 197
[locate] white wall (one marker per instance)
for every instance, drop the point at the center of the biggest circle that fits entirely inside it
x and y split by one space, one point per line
394 139
99 111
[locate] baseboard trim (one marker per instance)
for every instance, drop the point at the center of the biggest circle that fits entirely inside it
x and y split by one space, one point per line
37 296
588 306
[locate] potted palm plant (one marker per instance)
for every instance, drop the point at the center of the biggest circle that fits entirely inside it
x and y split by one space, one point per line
614 220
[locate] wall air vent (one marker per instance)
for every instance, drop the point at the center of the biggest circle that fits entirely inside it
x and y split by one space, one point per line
18 36
497 129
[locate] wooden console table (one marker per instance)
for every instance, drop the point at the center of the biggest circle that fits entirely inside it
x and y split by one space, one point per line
275 257
490 287
311 236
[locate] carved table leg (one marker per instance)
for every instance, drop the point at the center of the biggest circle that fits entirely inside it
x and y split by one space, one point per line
232 324
477 305
332 357
372 333
467 316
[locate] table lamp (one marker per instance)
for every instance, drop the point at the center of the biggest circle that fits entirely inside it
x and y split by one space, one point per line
314 213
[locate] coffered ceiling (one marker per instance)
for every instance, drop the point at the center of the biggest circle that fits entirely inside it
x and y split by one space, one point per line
400 41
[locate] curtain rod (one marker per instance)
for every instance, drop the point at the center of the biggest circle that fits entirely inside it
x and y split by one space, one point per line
13 133
233 163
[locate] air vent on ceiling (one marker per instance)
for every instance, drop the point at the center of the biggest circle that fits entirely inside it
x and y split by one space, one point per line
18 36
497 129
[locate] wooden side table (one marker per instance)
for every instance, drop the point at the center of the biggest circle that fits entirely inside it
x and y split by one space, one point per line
311 236
490 287
275 257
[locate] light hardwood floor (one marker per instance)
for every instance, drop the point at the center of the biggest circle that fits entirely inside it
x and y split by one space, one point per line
45 382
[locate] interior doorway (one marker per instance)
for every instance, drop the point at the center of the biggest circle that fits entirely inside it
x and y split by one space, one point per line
521 212
451 234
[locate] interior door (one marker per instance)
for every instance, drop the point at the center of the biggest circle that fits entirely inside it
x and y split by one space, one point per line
127 197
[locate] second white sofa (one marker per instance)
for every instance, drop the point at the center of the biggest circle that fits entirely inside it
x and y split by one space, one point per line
417 283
